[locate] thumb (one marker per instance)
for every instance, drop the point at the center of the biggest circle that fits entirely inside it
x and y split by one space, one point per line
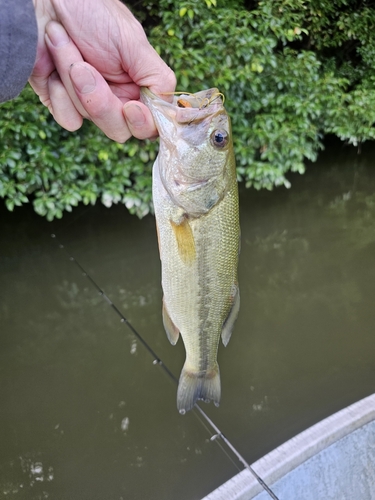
139 120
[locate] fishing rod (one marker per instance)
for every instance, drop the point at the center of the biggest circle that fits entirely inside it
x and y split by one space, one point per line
157 361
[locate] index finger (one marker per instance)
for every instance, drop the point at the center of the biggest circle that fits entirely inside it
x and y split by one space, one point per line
86 87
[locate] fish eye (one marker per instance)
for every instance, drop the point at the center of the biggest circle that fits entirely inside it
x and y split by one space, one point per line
219 138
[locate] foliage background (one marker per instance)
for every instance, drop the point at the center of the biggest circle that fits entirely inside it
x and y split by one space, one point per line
292 71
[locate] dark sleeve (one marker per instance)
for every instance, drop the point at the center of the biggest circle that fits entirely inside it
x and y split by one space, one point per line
18 41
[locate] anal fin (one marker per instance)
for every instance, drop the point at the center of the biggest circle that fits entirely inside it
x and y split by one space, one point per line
171 330
232 316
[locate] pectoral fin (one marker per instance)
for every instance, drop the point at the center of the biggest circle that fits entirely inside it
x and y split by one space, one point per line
171 330
232 316
185 241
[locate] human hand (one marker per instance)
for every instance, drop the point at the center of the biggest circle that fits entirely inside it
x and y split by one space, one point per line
92 58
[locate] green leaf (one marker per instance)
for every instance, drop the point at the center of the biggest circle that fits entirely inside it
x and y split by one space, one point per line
103 155
9 204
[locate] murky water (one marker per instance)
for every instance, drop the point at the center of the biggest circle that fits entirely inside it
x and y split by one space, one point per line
86 415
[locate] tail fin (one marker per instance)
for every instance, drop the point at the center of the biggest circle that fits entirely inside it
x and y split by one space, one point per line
198 385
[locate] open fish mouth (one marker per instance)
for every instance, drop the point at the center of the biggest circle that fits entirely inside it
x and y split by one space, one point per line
186 107
201 99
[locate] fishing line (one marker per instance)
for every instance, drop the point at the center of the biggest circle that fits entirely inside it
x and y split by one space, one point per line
157 361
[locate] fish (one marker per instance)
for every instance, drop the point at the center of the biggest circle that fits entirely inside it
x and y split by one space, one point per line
195 198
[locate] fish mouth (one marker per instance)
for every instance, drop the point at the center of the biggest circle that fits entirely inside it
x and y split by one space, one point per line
185 108
200 99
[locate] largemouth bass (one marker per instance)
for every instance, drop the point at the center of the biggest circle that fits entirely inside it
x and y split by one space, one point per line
195 198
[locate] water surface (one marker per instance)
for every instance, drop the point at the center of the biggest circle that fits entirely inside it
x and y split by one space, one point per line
86 415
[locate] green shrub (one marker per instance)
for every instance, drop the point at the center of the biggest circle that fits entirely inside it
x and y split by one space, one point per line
291 71
60 169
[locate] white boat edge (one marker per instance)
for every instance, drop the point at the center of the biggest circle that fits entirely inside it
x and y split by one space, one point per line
296 451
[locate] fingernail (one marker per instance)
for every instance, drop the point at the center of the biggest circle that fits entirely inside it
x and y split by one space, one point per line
134 115
82 78
57 34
